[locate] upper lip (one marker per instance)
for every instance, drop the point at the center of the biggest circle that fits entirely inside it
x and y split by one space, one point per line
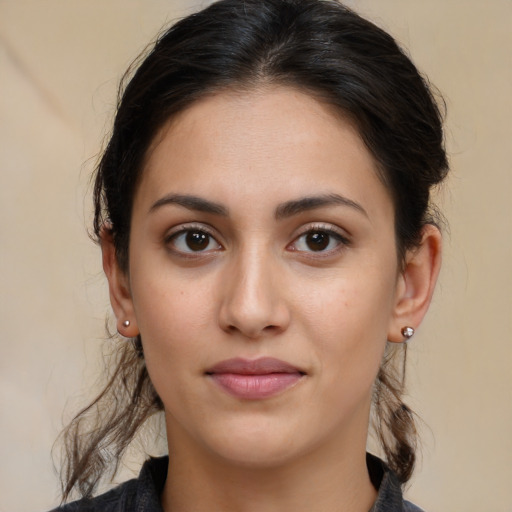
260 366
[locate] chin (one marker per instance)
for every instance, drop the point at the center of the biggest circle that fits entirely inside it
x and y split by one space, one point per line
258 455
257 446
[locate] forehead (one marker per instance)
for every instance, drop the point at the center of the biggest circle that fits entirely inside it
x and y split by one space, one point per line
273 140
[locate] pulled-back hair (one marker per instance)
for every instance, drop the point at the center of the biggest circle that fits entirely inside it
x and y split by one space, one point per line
324 49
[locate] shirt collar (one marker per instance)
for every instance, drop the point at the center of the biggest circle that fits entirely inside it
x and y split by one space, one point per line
153 474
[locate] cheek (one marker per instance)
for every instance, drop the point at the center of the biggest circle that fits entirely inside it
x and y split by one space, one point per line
348 318
173 318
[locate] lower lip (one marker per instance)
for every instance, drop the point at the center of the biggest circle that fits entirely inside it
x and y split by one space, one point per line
255 387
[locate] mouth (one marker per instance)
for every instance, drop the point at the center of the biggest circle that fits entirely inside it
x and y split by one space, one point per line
254 379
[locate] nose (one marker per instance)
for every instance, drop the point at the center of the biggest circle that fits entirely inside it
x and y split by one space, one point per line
253 297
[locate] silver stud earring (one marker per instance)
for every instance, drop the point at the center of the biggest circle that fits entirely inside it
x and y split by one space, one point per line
126 323
407 332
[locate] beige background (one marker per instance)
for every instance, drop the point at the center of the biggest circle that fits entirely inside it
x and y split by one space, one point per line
60 61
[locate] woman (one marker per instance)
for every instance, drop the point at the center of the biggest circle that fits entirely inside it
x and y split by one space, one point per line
264 217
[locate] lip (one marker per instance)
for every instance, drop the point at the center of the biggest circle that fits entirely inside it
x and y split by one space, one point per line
254 379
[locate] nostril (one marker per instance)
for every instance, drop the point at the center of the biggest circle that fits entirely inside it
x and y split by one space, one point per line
253 332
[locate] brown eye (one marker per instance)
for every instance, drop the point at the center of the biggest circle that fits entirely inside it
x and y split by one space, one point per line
193 241
197 240
317 241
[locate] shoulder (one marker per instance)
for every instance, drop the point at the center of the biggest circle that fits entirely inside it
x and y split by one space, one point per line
142 493
116 500
389 497
410 507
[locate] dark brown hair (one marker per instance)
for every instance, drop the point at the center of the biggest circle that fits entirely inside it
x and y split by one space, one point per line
318 46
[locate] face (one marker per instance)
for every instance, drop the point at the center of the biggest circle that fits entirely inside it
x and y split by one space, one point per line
263 277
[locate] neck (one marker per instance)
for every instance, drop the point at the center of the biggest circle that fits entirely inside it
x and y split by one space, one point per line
323 480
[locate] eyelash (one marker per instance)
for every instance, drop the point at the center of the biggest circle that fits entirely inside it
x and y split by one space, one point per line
183 230
322 229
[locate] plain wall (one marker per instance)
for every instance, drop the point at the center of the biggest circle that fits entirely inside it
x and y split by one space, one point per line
60 62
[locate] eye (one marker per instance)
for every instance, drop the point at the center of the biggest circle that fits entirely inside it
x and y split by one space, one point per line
320 240
193 240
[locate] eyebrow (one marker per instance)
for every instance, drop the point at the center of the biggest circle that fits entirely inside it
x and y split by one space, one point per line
284 210
191 203
304 204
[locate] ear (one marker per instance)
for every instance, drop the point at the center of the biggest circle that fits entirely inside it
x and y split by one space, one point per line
416 284
119 287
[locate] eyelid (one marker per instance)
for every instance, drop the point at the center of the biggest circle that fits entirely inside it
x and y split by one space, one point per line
190 226
331 230
326 227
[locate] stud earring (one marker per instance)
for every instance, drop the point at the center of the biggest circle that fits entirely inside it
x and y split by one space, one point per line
407 332
126 323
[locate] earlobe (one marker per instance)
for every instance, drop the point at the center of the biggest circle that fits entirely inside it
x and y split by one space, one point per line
416 284
119 289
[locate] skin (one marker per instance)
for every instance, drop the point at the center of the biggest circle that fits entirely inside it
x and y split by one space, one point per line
261 287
